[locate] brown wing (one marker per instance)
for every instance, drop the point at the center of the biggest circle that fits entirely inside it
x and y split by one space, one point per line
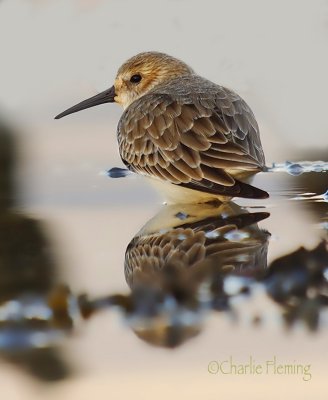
194 141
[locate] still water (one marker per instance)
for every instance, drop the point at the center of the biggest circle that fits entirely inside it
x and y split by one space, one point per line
128 297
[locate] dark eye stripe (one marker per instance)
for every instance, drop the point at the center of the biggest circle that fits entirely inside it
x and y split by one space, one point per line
135 78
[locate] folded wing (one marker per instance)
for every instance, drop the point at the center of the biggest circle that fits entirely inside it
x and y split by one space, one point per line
198 141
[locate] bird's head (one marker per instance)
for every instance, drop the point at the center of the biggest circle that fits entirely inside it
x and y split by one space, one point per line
136 77
143 72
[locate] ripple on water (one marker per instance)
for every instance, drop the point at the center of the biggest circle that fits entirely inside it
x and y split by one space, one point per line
300 167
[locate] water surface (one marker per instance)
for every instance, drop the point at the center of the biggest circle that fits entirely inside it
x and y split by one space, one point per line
110 286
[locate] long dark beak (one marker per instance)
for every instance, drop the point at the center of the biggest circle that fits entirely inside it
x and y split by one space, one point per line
104 97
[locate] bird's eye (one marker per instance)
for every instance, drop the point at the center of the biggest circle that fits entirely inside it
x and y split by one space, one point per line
135 78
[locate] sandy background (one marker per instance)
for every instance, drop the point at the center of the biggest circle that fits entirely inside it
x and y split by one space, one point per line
56 53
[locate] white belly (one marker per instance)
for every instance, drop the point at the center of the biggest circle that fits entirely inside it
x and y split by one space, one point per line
175 194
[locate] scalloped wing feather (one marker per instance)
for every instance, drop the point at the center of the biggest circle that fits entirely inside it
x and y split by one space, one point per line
192 139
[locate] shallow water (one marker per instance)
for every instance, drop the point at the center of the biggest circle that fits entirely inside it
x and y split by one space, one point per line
91 287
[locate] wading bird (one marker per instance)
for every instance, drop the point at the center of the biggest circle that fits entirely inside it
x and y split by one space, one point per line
200 138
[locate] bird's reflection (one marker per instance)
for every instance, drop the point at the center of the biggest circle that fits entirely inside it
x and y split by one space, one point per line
190 260
177 264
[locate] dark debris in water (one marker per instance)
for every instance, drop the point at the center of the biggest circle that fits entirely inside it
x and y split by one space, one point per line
295 273
118 172
30 327
299 284
181 215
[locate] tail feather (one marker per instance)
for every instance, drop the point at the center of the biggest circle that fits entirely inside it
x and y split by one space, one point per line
239 189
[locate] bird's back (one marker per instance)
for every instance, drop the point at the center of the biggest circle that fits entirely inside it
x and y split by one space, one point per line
193 133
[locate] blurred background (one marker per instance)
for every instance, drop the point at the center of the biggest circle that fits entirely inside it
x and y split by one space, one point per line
56 53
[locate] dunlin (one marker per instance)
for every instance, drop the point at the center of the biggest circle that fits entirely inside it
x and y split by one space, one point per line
183 129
